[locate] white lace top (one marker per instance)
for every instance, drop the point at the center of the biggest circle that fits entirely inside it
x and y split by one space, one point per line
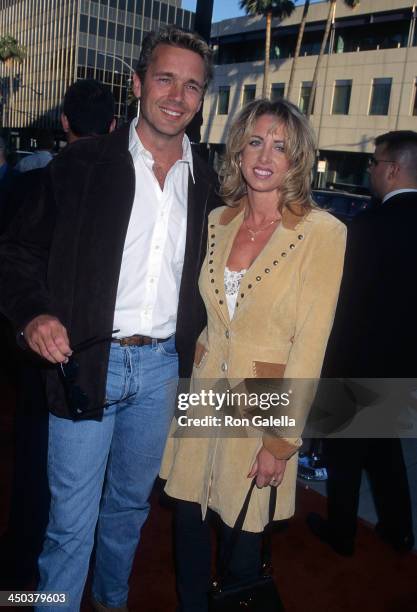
232 280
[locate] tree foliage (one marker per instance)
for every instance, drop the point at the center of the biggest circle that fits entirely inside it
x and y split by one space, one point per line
11 50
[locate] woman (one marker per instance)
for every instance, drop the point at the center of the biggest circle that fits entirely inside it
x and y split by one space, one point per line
270 283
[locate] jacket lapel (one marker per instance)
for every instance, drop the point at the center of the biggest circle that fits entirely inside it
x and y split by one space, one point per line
277 252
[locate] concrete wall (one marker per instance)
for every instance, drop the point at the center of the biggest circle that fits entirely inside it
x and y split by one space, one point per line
352 133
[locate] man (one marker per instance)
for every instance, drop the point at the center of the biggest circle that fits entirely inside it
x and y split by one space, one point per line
88 111
120 234
375 336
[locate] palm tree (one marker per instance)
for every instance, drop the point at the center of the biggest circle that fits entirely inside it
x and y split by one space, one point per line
298 46
332 11
10 52
269 9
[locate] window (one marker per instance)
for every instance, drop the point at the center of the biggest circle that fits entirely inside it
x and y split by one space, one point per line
148 8
120 36
305 97
111 32
102 27
137 37
82 55
415 99
93 25
249 94
341 97
223 100
83 23
277 91
380 96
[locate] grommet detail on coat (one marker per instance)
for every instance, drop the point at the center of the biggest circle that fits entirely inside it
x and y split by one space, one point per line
212 280
211 252
212 244
216 291
227 334
275 262
211 270
250 286
224 366
213 236
292 246
211 261
283 254
242 295
267 270
220 301
258 278
300 236
212 225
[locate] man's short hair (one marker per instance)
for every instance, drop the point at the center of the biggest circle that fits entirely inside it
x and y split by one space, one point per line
175 37
401 147
89 107
45 140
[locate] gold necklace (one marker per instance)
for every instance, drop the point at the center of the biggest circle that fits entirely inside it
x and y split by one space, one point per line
253 233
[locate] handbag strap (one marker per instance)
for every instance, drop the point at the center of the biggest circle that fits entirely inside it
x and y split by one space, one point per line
237 528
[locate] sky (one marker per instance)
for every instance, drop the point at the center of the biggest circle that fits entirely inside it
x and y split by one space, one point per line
223 9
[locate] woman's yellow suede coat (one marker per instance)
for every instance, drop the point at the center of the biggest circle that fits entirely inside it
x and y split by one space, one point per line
280 328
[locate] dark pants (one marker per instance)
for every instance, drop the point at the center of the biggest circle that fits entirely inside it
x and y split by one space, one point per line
193 556
384 462
29 507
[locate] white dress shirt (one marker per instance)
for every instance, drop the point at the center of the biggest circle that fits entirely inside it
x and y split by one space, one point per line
153 254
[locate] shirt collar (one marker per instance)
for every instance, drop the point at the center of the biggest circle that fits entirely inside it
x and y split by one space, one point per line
136 147
391 194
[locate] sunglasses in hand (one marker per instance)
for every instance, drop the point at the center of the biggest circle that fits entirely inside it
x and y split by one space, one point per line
78 401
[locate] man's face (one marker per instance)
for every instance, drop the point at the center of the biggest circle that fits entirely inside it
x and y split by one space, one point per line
380 172
171 93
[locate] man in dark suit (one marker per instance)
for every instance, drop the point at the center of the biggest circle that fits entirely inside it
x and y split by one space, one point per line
100 276
375 336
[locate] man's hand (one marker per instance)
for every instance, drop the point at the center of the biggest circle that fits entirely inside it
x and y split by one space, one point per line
267 469
48 338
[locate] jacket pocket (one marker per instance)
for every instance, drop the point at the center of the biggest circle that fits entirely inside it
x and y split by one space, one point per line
265 369
200 355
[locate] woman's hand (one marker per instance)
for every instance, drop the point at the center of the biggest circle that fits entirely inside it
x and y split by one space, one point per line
267 469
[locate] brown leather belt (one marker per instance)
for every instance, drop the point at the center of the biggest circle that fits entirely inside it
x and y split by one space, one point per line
137 340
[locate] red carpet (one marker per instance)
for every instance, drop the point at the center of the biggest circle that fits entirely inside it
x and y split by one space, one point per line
311 578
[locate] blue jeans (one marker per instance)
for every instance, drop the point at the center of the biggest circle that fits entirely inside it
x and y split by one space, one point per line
101 474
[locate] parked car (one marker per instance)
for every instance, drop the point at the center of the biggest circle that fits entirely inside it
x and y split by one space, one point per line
342 204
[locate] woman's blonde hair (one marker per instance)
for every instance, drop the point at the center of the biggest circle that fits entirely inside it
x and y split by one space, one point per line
300 147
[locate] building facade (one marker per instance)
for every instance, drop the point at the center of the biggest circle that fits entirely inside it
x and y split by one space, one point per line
366 86
67 40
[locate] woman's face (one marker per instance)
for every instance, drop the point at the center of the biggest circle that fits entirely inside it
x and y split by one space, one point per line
263 160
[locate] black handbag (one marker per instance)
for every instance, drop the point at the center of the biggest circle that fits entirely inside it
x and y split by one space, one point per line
257 595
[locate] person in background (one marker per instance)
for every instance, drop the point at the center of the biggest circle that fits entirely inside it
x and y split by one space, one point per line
105 292
43 154
88 111
270 283
375 336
